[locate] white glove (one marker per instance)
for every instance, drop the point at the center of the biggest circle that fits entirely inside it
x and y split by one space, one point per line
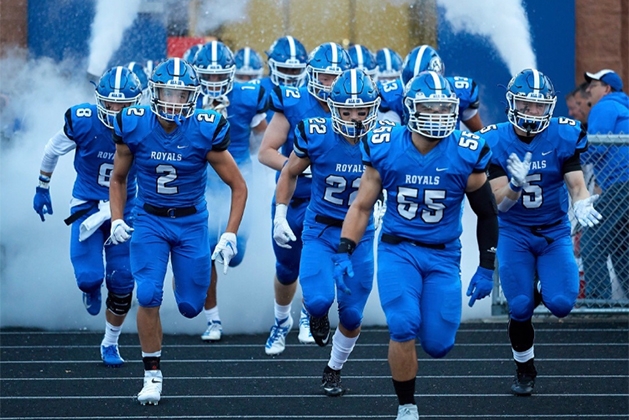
282 233
225 250
518 169
585 212
120 232
379 209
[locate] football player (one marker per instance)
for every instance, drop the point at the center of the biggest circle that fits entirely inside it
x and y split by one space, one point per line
171 143
88 130
427 168
331 146
534 169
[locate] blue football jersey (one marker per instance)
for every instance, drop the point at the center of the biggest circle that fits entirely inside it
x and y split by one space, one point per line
336 167
424 192
94 155
392 97
544 197
467 91
296 104
171 167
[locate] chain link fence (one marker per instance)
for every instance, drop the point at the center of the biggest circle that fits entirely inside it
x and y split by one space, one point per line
602 252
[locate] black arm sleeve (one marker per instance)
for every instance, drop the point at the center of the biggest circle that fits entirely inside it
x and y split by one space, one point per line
572 164
117 138
483 203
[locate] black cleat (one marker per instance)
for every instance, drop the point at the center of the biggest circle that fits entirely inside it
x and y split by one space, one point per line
331 382
320 329
524 380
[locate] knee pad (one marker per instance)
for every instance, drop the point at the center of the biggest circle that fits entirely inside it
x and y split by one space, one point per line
560 305
120 282
521 334
148 295
401 328
350 318
119 304
89 282
318 306
521 308
235 262
436 349
187 310
286 276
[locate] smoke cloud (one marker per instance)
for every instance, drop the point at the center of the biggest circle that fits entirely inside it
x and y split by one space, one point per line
503 22
112 18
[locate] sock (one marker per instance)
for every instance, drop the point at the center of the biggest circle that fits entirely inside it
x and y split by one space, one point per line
151 360
212 314
111 335
405 391
341 349
524 356
282 311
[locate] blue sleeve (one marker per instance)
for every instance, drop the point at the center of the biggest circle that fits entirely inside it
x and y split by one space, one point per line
300 146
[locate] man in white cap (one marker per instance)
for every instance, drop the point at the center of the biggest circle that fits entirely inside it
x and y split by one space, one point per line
609 115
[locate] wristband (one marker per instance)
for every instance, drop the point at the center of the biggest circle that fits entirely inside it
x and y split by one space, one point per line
514 187
280 211
346 246
44 181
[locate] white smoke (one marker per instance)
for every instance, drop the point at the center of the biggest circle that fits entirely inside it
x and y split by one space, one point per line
111 20
503 22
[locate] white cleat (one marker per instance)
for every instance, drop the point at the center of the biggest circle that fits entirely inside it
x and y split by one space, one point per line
305 337
214 331
276 343
407 412
151 392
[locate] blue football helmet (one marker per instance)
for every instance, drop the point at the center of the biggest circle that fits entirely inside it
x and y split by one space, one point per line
432 105
531 99
389 65
353 89
248 65
363 59
287 59
174 88
118 85
422 58
191 52
327 59
139 71
216 68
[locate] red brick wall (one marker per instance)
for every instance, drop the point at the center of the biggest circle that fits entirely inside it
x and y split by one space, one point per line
13 29
602 37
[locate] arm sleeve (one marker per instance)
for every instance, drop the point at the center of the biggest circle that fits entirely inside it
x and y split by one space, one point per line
483 203
57 146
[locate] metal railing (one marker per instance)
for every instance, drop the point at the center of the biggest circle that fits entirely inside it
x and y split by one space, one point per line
602 252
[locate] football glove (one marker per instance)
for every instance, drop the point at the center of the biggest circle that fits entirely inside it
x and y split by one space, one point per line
282 233
481 285
342 267
379 209
225 250
120 232
42 202
585 212
518 169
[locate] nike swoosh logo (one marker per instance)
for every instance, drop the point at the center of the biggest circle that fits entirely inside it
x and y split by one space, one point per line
441 169
156 381
181 147
545 153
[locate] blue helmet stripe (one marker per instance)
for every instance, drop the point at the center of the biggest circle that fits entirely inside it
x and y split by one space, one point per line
418 59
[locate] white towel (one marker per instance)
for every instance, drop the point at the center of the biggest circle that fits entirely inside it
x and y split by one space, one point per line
89 225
